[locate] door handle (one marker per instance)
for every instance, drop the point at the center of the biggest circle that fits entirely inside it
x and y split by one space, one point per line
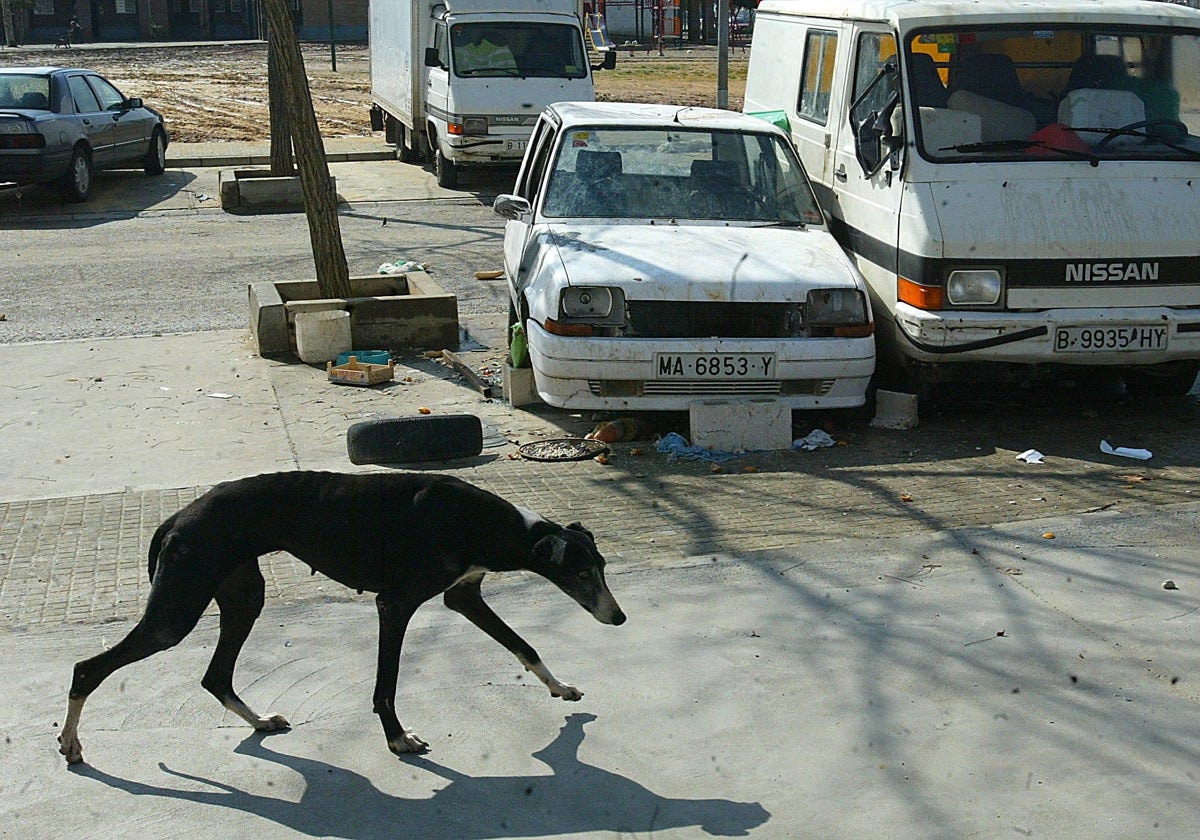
840 172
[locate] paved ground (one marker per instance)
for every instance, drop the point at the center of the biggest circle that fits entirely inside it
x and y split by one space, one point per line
876 639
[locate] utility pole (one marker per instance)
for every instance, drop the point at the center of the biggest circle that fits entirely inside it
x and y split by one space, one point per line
320 198
722 53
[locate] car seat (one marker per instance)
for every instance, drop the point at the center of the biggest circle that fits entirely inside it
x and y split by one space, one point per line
992 75
926 83
718 191
598 173
34 101
1105 72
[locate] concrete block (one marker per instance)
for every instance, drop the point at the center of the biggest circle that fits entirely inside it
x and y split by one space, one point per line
519 387
386 311
895 410
247 189
738 425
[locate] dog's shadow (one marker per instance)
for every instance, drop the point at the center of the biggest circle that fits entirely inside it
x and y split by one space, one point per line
574 798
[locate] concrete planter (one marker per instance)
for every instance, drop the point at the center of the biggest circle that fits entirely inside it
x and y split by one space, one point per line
250 190
387 311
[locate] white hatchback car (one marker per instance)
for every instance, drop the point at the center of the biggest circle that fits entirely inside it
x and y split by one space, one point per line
657 255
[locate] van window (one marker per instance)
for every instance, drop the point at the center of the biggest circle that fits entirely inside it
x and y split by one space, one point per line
820 48
1055 92
874 50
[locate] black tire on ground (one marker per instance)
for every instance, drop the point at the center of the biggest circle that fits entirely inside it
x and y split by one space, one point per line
405 153
1166 381
76 184
446 171
396 440
156 156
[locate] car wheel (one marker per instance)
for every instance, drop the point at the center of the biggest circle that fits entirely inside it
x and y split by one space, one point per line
394 440
404 153
1168 381
156 155
76 184
446 171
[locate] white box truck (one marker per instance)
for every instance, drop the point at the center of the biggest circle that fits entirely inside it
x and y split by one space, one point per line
1018 182
462 82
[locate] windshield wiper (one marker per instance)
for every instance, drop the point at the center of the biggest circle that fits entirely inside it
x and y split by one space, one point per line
1191 154
1020 146
782 223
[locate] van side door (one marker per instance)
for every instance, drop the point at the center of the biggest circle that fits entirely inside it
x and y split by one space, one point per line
868 202
821 85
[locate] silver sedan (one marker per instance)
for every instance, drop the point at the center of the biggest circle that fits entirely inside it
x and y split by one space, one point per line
58 125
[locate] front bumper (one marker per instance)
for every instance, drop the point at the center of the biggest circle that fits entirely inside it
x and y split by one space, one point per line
468 150
1029 337
619 374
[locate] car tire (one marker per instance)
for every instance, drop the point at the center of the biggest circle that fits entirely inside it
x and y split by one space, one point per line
446 171
395 440
404 152
1169 381
76 183
156 155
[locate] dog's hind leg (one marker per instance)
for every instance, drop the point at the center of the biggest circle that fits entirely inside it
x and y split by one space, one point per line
171 613
395 611
465 597
240 600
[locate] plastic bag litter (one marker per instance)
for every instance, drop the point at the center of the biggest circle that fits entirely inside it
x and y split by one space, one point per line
675 446
1125 451
816 439
401 267
1032 456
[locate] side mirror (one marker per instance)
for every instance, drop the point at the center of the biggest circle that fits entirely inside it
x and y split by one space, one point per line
511 206
432 59
609 61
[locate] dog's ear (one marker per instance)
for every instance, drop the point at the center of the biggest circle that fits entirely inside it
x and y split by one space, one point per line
578 526
550 549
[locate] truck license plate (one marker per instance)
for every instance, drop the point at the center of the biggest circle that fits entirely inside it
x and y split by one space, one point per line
516 145
714 365
1108 339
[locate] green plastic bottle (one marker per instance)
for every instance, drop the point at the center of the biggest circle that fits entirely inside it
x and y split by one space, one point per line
518 349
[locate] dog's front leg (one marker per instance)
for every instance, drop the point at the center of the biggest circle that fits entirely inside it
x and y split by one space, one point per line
394 615
466 598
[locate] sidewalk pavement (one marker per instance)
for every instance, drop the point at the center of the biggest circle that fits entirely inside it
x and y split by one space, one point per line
807 654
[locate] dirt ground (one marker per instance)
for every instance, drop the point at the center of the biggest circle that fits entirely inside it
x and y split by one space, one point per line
219 91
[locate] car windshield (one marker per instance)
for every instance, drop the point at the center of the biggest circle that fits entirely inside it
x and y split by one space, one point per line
1054 92
499 49
679 173
20 90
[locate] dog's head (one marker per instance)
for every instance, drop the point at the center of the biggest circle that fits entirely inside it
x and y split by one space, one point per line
570 560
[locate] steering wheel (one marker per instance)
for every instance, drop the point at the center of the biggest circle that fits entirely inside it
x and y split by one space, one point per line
1179 129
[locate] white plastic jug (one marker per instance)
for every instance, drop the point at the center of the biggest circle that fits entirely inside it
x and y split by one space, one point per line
321 336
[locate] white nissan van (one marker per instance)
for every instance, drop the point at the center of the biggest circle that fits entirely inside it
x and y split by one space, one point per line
1019 182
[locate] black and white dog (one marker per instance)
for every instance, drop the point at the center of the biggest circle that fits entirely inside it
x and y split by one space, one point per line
440 535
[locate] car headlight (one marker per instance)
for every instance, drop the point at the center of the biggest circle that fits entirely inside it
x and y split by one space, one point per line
592 303
835 307
973 287
475 125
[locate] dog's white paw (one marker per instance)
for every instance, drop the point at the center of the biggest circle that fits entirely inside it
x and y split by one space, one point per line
73 750
407 743
565 691
271 723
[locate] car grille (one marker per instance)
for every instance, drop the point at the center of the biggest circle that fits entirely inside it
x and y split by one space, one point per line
713 319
